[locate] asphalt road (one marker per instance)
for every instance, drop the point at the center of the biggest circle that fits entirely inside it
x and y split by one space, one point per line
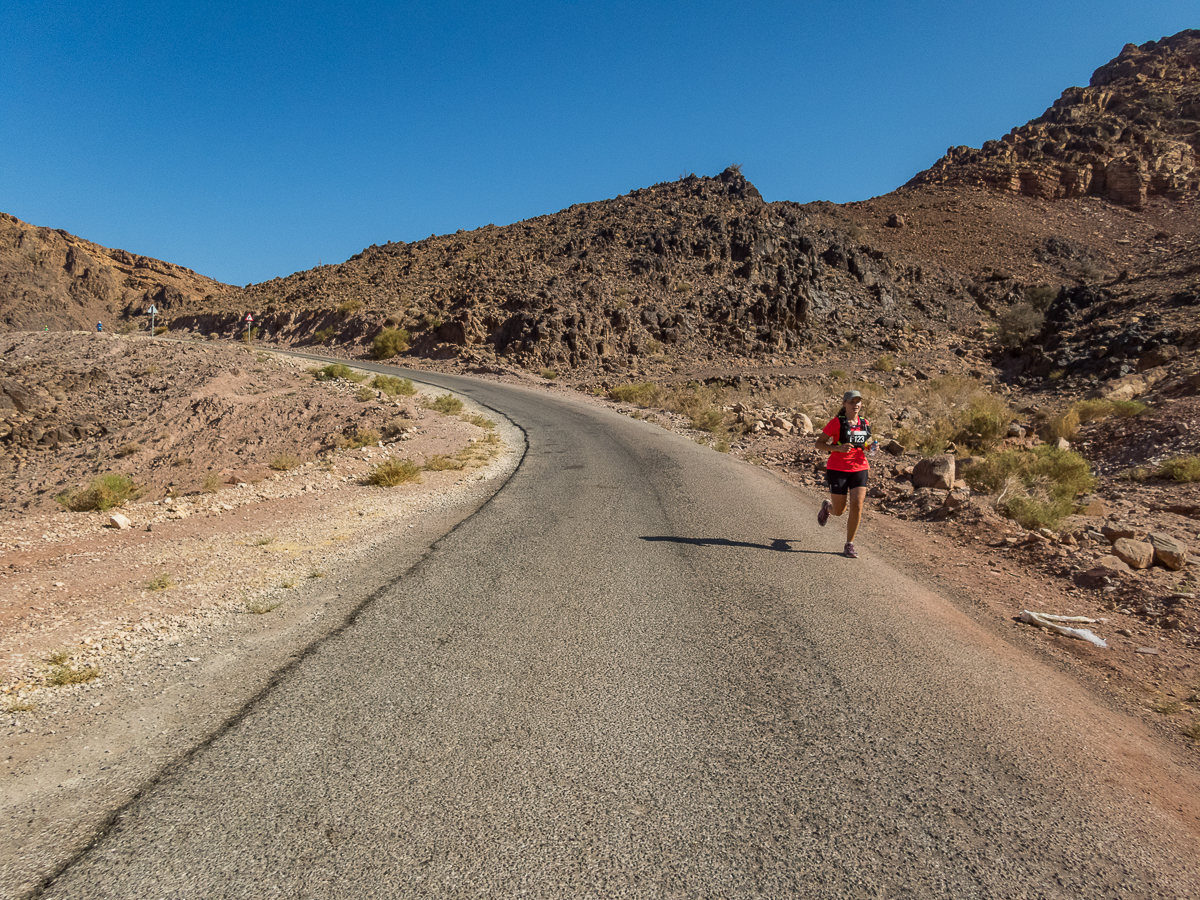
642 670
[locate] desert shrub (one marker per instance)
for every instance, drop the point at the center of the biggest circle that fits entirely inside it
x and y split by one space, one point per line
63 674
103 493
480 421
364 394
839 374
712 420
1129 409
641 394
160 329
441 463
984 422
396 426
445 403
363 437
956 408
390 342
1019 323
127 450
250 334
1036 512
394 387
549 374
1185 469
1065 426
1040 296
321 335
394 472
885 363
348 308
652 347
160 582
428 321
683 288
1038 487
334 371
1137 474
283 462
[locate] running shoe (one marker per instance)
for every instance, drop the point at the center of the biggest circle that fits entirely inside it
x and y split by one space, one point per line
850 551
823 515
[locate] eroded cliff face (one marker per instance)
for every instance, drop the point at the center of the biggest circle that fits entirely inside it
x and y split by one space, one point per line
52 279
1133 133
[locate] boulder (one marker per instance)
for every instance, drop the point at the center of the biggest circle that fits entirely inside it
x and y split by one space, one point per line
1135 554
1168 551
934 472
116 520
1103 570
804 423
956 499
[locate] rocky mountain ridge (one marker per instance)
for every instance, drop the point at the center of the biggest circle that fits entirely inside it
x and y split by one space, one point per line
52 279
1132 133
702 273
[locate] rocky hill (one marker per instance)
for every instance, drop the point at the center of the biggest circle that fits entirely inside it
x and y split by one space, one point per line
1131 134
52 279
1032 254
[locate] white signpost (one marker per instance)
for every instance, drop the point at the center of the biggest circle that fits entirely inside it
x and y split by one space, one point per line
153 310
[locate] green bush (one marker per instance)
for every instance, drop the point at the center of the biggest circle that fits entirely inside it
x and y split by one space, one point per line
1185 469
322 335
984 422
885 363
394 387
712 420
1034 513
480 421
1038 487
1129 409
549 374
642 394
103 493
390 342
348 308
61 675
394 472
334 371
441 463
283 462
1040 296
363 437
445 403
1019 323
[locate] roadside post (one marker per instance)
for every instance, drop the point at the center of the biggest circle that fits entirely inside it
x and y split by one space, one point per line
153 310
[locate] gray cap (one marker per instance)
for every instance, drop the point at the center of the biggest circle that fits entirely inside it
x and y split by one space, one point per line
851 395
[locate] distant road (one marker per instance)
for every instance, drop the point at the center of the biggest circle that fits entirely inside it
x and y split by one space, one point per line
641 670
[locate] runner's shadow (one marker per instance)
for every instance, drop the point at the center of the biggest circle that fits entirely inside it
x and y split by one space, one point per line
781 545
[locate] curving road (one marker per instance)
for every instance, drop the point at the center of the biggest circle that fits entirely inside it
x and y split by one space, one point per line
641 670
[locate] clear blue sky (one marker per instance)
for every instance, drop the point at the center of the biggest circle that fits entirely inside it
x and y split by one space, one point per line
250 139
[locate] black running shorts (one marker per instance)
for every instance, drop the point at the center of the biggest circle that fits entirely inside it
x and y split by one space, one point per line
841 482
